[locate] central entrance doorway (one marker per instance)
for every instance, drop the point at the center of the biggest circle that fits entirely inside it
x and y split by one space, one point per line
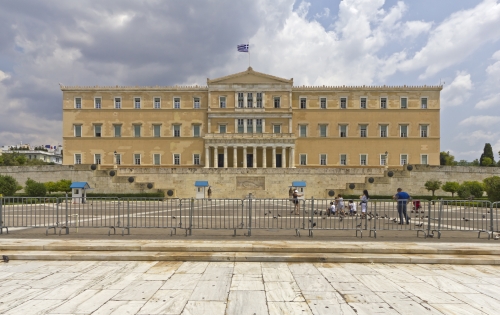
220 160
278 160
249 160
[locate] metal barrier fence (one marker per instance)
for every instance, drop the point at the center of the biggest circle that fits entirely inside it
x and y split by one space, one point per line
428 217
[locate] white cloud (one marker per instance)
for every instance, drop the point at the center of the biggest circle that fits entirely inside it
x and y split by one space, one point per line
491 101
3 76
457 92
415 28
492 98
324 14
484 121
478 136
456 38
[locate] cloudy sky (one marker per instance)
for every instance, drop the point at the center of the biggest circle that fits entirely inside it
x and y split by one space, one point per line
131 42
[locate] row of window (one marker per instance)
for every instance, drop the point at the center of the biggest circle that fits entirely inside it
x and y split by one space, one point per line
247 100
323 159
252 126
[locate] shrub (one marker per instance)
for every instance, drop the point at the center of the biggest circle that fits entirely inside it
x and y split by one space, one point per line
432 185
64 185
51 187
35 189
8 185
451 187
470 189
492 188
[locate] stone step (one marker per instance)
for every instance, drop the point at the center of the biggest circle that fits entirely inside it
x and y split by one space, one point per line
254 257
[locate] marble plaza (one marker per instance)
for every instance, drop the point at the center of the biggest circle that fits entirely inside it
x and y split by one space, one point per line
152 287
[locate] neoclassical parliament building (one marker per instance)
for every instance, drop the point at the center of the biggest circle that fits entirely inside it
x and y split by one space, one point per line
251 120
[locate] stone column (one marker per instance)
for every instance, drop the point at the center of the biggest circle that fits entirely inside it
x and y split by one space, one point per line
207 156
225 156
264 157
292 156
254 156
283 157
216 157
290 125
274 157
244 126
244 157
254 126
263 124
235 157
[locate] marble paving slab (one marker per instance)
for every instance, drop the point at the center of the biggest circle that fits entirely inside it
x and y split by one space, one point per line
86 302
166 302
283 292
211 291
183 281
138 291
34 307
119 308
205 308
278 308
247 303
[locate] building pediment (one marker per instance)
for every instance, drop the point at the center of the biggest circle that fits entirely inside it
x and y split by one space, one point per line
249 77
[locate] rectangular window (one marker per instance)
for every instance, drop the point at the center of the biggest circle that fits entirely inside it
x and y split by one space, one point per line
322 103
362 159
383 131
303 159
156 159
383 102
222 102
78 159
137 103
403 131
259 100
362 131
222 128
196 102
78 130
241 100
343 102
177 130
404 102
343 131
303 102
249 125
322 131
118 102
276 128
249 100
177 159
196 159
362 103
97 102
303 131
423 103
196 131
118 159
423 131
241 126
137 159
97 131
177 102
258 127
383 159
322 159
157 103
118 130
423 159
156 131
97 158
343 159
137 131
277 102
404 159
78 102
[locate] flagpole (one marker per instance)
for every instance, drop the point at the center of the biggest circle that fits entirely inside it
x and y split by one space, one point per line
249 54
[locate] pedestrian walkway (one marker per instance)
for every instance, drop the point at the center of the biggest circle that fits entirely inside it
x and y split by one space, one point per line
152 287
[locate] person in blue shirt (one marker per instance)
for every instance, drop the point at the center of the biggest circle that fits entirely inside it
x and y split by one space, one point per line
402 197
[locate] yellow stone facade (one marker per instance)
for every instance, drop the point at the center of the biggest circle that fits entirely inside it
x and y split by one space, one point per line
263 117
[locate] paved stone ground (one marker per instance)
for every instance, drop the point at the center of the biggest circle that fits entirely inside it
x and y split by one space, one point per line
71 287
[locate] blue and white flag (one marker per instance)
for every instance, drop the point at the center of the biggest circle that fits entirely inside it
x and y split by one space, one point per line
243 47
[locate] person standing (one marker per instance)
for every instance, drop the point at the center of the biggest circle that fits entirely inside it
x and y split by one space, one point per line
295 199
331 210
209 192
402 198
364 201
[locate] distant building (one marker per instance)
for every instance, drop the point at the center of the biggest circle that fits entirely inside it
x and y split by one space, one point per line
251 119
46 153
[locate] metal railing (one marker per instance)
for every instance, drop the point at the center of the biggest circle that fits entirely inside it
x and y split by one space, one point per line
428 217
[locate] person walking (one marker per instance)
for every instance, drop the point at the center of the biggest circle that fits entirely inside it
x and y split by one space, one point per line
364 201
402 198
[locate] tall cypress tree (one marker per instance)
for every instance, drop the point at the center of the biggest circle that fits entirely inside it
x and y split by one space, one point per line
487 152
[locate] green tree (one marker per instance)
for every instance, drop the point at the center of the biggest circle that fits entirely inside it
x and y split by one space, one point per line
445 158
487 153
451 187
8 185
487 161
21 159
63 185
475 163
35 189
51 187
432 185
492 188
470 189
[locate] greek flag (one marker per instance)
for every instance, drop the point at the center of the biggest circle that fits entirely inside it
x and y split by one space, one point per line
242 48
